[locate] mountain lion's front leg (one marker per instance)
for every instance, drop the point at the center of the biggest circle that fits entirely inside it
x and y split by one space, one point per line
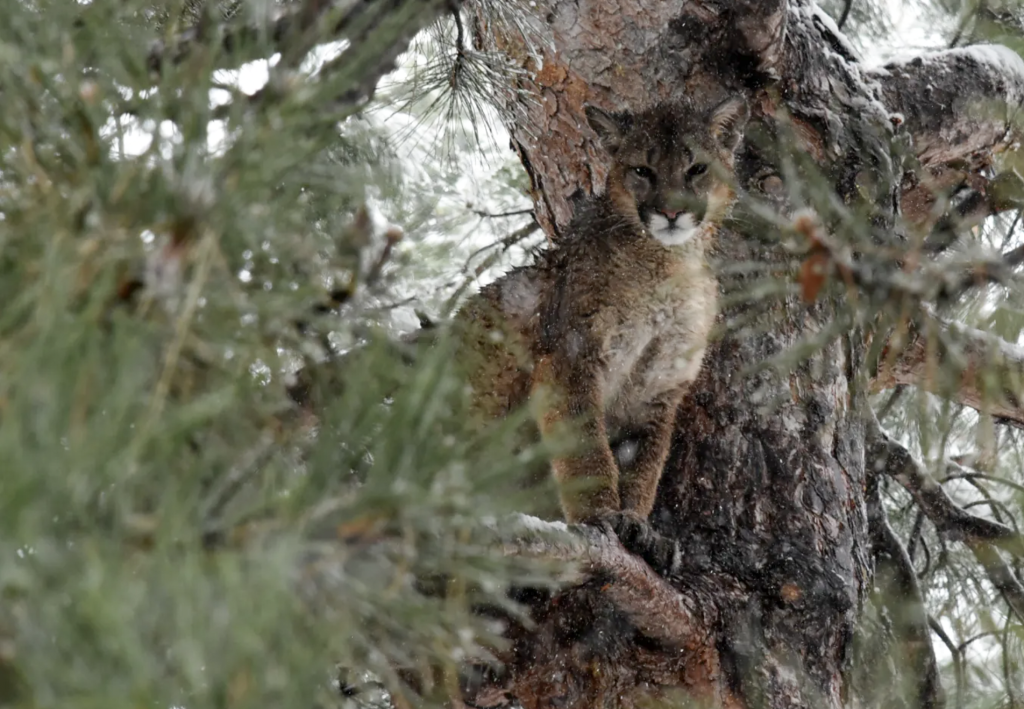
568 400
648 443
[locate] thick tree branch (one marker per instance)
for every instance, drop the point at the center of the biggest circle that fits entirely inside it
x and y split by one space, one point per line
655 608
377 32
237 42
960 363
959 105
286 23
972 198
614 630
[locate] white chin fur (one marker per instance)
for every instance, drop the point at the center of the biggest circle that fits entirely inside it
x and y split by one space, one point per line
675 234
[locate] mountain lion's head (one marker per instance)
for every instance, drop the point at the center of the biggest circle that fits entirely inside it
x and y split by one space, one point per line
670 164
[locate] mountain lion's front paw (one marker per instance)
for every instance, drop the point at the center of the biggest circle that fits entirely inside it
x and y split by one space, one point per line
632 530
636 534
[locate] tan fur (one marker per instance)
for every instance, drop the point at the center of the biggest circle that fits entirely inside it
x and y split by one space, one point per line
605 332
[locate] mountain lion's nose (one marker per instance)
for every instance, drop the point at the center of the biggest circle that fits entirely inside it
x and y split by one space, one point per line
670 214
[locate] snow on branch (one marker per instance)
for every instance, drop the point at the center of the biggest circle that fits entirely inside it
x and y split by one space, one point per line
958 105
653 606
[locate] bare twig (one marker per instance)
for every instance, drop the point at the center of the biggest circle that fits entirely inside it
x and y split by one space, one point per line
1000 575
915 535
958 668
954 473
897 393
499 215
846 14
1008 683
506 242
983 537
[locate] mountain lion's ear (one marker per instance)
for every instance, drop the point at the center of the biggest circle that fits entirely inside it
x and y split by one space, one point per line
610 128
728 119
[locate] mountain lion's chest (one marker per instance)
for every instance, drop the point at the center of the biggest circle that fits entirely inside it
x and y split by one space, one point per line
656 345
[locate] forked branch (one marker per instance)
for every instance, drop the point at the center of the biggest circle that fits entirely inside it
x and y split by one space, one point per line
983 537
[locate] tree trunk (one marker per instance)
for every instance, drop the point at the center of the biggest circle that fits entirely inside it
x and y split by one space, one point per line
765 487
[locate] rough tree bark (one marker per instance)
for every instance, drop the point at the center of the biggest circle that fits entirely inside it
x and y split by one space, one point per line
765 491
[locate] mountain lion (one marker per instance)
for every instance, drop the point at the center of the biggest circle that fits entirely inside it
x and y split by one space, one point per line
607 330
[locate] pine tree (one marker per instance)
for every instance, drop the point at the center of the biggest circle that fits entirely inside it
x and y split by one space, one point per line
225 480
869 274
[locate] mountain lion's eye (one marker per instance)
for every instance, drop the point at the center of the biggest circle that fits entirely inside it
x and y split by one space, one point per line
697 169
645 173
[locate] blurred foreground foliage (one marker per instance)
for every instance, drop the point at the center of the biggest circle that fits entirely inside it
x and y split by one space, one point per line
174 531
